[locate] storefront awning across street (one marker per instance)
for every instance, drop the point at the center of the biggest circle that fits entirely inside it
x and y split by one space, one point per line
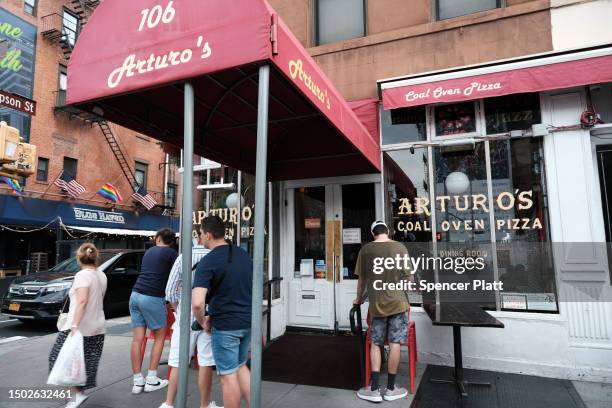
232 79
530 74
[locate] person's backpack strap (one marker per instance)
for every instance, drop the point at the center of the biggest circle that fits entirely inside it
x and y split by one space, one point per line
217 282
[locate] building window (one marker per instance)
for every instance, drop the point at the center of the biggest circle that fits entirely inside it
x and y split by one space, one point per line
512 112
70 27
455 119
70 166
42 170
62 85
403 125
171 195
140 174
29 6
453 8
339 20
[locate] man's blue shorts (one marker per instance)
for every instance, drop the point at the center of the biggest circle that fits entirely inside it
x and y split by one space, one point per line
230 349
147 311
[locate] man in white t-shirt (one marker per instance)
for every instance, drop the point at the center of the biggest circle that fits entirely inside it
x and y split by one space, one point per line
200 339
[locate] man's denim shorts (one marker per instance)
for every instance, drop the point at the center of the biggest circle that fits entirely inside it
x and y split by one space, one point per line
147 311
230 349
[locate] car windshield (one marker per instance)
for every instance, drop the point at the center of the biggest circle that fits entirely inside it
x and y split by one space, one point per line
71 264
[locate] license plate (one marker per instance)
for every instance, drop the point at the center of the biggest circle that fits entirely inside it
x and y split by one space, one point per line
14 307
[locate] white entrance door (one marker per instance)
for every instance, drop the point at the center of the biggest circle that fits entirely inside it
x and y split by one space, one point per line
327 224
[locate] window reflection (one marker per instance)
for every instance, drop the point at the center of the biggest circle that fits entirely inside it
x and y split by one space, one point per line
358 212
512 112
461 193
403 125
406 175
524 255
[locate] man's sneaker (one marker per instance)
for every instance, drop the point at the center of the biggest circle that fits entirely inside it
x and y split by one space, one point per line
154 384
213 404
164 405
369 395
395 393
138 388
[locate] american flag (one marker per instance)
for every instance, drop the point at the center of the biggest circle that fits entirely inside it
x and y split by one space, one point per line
144 198
67 183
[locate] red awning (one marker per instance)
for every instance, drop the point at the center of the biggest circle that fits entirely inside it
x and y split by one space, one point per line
558 71
367 112
132 55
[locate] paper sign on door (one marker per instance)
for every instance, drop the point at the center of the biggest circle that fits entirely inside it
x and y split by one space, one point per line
307 274
351 236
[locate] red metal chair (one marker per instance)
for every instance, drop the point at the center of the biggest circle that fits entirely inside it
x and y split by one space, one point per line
412 353
151 336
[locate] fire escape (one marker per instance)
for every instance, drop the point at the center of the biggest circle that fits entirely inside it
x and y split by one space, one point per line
63 29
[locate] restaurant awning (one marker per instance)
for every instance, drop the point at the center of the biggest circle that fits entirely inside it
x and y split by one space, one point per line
528 74
237 85
132 55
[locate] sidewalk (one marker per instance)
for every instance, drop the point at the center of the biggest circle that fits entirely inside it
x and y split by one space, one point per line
24 364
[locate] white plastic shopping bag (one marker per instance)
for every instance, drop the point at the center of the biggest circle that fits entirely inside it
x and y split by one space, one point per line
69 368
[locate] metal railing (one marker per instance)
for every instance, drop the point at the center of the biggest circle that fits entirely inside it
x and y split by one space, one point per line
51 24
55 30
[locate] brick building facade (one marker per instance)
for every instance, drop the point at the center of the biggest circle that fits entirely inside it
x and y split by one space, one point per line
68 141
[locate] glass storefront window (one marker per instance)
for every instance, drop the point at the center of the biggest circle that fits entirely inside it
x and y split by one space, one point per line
403 125
310 228
236 208
524 253
460 192
489 198
512 112
455 119
218 200
463 225
358 211
407 196
406 175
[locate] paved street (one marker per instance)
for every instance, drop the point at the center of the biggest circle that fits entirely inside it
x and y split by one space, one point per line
14 329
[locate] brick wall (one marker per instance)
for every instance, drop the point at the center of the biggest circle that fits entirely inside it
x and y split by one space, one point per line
403 38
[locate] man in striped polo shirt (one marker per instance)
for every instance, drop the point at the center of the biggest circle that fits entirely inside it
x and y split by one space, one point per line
200 338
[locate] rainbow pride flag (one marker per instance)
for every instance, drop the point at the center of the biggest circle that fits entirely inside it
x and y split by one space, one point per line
13 184
110 192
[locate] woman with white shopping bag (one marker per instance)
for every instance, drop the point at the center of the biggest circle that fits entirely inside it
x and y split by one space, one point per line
78 347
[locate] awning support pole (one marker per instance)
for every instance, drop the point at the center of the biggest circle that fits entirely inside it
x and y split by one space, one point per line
186 226
260 219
